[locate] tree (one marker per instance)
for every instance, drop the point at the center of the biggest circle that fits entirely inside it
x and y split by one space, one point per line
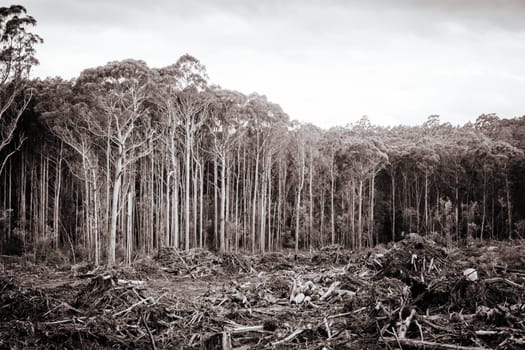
330 144
179 88
360 158
225 116
191 109
506 155
17 57
62 115
118 96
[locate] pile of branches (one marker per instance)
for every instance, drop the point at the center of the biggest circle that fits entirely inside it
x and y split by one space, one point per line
106 312
413 295
201 263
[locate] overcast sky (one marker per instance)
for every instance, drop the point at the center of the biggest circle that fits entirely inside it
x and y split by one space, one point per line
325 62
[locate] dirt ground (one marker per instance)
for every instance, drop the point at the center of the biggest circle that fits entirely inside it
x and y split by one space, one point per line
413 294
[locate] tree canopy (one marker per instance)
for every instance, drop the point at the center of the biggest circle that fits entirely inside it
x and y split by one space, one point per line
125 159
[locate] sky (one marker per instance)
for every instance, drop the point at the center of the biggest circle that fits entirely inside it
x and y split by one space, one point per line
325 62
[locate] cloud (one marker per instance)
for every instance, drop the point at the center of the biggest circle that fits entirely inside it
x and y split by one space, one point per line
327 62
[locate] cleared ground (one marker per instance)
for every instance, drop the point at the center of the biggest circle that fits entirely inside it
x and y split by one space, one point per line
414 294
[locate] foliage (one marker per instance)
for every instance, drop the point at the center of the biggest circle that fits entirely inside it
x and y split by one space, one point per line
125 159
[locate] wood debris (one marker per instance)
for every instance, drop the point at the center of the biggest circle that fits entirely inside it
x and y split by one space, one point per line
413 295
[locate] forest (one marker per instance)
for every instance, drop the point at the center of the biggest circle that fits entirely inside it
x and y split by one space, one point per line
125 159
146 207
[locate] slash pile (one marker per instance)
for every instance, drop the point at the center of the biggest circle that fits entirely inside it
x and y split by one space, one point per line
413 294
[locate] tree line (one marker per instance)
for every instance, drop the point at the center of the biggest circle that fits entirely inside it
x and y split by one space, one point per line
125 159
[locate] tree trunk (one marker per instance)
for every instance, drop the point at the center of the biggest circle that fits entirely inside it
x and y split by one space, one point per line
215 200
222 248
332 209
360 216
254 199
311 205
269 205
129 227
95 217
236 217
175 209
201 205
262 215
321 224
279 205
115 207
168 202
195 178
227 237
107 220
23 187
418 203
87 211
372 204
426 201
393 185
509 205
298 213
56 205
484 210
493 218
457 205
187 193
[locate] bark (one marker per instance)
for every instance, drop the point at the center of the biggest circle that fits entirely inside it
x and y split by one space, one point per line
299 191
56 204
332 208
269 198
115 207
223 207
360 216
236 215
129 228
372 204
509 206
254 199
95 217
393 186
195 177
215 200
187 155
23 187
456 194
175 210
484 209
321 224
227 204
311 204
426 201
262 215
201 206
168 202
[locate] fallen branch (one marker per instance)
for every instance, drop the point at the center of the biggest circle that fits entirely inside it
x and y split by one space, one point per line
185 264
244 329
403 328
131 307
151 339
226 341
65 306
292 336
507 281
130 282
346 313
330 290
